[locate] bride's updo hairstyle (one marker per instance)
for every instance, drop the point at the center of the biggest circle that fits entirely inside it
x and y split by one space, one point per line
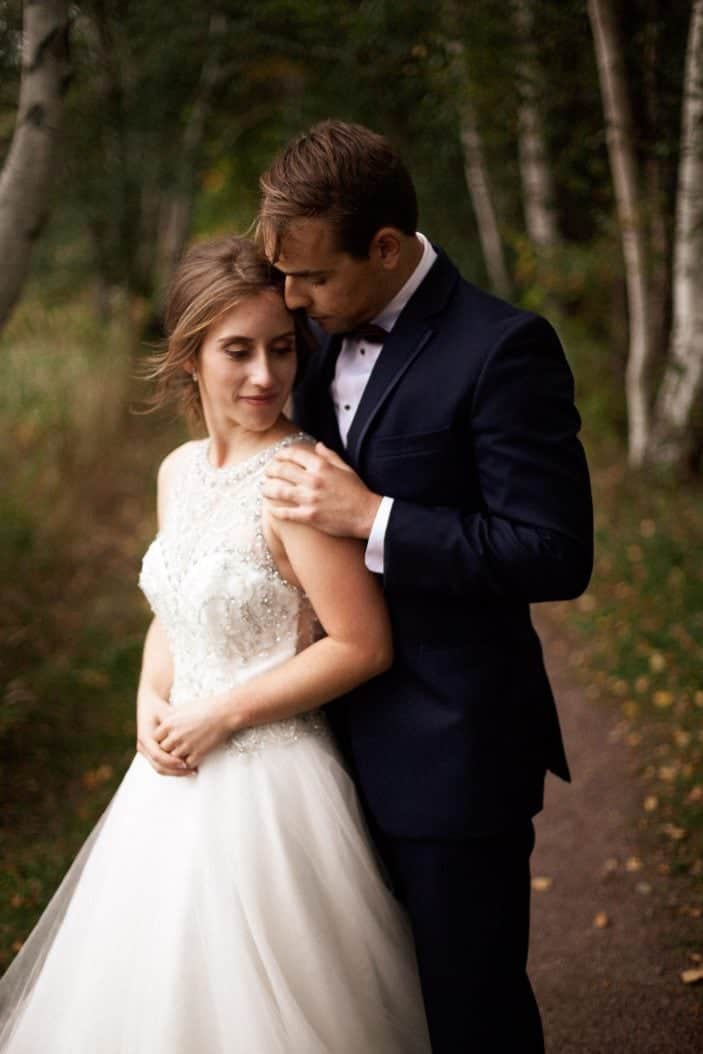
211 279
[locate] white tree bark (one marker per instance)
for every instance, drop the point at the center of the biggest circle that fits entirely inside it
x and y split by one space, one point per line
535 172
478 183
623 164
25 181
682 384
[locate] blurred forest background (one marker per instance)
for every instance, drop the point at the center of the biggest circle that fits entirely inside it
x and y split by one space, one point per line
557 147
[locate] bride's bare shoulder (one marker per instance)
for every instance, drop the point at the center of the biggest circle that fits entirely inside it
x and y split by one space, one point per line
170 463
168 471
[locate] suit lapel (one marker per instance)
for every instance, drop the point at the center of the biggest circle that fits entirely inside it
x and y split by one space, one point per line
399 351
408 339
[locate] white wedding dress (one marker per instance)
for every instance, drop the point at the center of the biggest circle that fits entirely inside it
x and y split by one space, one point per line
240 910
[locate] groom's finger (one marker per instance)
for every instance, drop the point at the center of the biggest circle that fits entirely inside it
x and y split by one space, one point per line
284 493
287 470
332 457
296 513
302 456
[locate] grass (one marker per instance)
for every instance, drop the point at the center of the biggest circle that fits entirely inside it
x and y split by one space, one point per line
638 631
640 646
75 517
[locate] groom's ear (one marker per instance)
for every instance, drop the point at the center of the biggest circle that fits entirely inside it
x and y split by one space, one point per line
386 246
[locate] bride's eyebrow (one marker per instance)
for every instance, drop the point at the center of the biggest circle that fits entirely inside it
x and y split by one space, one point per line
250 340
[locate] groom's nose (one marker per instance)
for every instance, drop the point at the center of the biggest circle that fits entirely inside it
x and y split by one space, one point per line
295 293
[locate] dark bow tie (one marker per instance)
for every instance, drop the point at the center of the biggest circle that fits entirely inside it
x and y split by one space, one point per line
367 331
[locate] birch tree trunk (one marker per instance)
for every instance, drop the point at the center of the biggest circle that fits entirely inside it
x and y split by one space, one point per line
478 183
682 384
535 173
657 178
178 209
25 182
616 105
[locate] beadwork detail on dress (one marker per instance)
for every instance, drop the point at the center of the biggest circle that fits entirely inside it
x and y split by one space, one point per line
211 579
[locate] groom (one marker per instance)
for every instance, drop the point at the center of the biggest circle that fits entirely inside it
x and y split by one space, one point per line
450 448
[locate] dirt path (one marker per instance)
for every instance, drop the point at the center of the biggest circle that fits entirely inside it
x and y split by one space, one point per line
615 988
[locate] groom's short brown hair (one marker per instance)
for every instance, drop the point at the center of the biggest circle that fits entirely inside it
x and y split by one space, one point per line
343 173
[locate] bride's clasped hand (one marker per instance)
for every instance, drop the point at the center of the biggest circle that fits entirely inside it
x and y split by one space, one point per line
190 732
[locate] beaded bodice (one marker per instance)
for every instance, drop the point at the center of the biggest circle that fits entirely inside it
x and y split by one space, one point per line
211 580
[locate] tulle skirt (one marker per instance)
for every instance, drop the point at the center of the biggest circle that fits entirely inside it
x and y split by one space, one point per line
238 910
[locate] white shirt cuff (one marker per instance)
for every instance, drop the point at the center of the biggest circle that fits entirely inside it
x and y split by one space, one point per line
374 549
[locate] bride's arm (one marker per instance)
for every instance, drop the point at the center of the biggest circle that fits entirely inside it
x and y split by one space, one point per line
152 706
157 667
349 604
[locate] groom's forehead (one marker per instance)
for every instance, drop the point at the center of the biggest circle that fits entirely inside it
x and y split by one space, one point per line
306 247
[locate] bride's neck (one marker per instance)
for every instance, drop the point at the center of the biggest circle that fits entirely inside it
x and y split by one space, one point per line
230 448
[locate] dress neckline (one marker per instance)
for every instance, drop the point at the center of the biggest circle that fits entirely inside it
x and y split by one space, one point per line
249 466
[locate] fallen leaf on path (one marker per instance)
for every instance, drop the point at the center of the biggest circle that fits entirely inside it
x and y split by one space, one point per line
610 866
633 863
692 976
650 803
601 920
644 888
541 883
677 834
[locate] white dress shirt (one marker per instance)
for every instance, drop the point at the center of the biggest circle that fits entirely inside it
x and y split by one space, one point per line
356 360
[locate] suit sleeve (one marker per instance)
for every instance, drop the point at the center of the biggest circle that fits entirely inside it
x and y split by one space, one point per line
532 539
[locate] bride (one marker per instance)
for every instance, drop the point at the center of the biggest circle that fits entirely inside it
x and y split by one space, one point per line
228 899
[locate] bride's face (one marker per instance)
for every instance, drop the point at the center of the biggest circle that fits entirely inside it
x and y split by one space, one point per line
247 364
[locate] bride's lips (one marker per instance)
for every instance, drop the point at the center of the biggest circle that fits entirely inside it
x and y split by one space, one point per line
259 400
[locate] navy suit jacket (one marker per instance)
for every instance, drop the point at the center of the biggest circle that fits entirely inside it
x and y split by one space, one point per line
468 422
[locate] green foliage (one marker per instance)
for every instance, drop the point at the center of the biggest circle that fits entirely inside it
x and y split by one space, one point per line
640 636
75 512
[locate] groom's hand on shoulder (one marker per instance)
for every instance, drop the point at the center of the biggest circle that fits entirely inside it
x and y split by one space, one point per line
318 488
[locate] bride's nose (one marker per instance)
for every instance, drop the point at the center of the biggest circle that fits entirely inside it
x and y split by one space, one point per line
261 374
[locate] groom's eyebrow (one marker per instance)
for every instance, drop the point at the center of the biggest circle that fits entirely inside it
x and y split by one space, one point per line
304 274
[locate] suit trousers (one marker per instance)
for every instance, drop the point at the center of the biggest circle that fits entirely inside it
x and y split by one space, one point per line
469 905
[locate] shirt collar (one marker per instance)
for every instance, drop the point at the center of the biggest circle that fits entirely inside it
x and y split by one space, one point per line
391 312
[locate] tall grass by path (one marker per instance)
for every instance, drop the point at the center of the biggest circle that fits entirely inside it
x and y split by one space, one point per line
638 644
76 513
637 634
